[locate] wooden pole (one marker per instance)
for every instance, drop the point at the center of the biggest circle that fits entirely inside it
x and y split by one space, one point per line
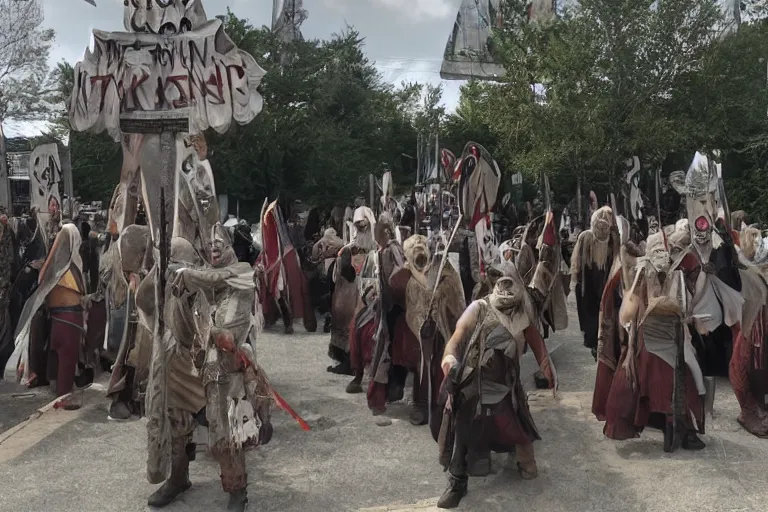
372 191
578 202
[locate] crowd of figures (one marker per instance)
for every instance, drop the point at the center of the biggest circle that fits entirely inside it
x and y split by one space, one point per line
663 306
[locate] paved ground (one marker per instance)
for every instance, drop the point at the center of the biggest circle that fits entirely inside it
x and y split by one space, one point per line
79 461
17 403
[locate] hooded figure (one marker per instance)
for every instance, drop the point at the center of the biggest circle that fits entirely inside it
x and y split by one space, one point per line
355 278
653 312
485 406
591 263
748 368
395 349
717 302
61 287
324 253
433 305
128 381
202 366
285 288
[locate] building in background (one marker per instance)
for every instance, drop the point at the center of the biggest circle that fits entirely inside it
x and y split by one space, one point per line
36 175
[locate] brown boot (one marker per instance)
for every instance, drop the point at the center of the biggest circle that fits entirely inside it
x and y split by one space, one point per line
457 489
179 479
237 500
526 461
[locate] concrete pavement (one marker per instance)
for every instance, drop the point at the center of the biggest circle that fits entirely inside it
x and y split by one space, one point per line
79 461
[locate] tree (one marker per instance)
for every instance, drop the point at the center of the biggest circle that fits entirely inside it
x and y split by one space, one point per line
596 85
24 50
328 121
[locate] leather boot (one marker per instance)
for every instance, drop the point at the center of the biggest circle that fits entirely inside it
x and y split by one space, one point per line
179 479
327 325
457 489
237 500
395 392
285 312
419 415
692 442
355 386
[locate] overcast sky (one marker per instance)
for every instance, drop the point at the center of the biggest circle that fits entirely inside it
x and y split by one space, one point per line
406 38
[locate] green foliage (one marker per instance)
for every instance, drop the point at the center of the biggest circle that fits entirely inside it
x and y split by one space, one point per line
24 49
328 121
617 78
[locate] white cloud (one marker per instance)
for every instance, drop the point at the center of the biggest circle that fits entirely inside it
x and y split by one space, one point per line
398 71
418 10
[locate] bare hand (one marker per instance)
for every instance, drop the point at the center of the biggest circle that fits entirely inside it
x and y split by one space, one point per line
447 365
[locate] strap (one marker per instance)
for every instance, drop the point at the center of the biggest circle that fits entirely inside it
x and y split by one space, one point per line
473 339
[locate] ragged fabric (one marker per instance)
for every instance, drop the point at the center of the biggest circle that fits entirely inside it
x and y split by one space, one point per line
63 257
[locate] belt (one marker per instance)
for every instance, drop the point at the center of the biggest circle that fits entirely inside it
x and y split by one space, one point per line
66 309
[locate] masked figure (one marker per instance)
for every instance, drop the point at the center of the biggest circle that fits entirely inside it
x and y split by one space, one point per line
485 405
128 382
718 302
395 348
33 251
60 289
285 289
748 368
324 253
653 311
612 335
590 266
430 319
202 366
211 368
354 278
8 270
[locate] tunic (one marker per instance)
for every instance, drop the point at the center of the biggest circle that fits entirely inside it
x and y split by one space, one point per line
493 398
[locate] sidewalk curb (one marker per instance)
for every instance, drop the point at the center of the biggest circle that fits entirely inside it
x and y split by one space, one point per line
32 417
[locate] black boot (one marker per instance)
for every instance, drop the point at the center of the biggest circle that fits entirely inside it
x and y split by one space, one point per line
344 367
355 387
179 479
395 392
457 489
285 312
327 326
237 500
419 415
692 442
166 494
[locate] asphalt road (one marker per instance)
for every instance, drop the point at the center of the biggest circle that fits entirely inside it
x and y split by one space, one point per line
80 461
